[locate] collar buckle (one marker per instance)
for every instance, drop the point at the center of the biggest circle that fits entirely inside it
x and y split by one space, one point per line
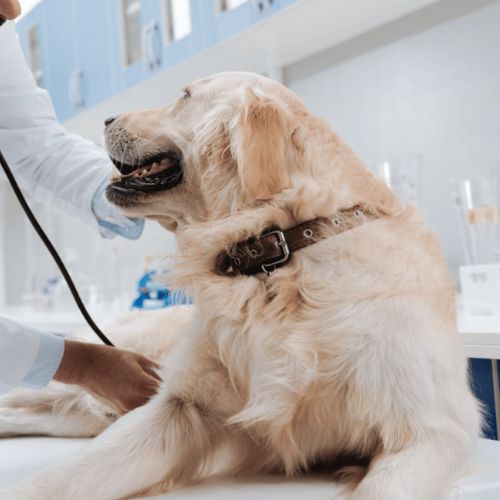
282 244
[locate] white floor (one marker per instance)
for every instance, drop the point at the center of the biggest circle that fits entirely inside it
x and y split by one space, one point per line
21 457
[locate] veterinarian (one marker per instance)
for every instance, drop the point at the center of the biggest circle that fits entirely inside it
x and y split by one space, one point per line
50 163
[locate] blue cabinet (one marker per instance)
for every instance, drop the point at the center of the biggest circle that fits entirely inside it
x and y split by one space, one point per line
172 32
183 27
125 42
226 18
59 55
75 54
85 51
91 79
34 37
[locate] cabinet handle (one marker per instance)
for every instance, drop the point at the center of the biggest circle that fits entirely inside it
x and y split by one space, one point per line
144 45
154 34
75 88
149 32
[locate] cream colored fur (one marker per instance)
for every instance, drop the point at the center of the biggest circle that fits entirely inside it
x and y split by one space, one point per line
351 349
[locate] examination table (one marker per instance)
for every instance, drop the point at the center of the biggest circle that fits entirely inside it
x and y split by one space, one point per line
22 456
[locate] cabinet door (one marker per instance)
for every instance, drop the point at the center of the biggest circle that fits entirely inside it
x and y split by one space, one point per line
91 79
182 29
39 41
60 55
125 41
226 18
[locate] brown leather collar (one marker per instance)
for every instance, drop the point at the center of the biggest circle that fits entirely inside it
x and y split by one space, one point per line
274 247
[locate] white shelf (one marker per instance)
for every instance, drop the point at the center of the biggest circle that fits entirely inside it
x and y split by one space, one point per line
291 35
481 336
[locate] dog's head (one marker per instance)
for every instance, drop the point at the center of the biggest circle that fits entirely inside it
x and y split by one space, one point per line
228 143
232 142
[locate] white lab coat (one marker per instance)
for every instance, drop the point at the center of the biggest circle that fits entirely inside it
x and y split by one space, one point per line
49 164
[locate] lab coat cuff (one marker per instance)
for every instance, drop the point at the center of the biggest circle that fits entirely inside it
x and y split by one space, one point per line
47 361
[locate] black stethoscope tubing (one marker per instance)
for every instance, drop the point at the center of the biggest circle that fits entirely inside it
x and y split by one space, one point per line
52 251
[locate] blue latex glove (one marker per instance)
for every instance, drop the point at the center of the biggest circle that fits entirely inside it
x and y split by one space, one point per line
111 221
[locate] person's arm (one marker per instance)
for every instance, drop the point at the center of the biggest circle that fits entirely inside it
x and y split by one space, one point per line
31 359
48 162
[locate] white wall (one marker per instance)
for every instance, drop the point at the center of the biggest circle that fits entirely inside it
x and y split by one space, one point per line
434 92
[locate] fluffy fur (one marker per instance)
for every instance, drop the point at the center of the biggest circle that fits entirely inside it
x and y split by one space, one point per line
350 350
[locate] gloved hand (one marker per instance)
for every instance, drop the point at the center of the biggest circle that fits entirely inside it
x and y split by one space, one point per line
111 221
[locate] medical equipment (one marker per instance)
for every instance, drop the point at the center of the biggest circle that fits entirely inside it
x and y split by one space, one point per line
155 295
52 251
477 206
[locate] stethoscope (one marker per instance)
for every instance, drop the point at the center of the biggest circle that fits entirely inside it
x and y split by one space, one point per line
51 248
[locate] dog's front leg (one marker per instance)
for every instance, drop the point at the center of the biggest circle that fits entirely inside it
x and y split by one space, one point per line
167 439
423 470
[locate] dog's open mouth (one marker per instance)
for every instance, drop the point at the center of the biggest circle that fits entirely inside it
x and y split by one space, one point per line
156 173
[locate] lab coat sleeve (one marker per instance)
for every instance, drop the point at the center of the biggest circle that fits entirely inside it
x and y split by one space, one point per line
27 358
47 161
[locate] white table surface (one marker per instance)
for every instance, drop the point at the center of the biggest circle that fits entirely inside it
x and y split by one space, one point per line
22 456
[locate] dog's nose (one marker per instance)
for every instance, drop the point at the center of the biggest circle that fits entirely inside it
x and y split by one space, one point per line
110 120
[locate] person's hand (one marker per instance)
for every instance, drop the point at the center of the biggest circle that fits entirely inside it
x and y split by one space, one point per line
123 379
9 9
110 219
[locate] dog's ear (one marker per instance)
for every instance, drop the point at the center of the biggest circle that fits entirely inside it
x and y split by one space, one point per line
260 142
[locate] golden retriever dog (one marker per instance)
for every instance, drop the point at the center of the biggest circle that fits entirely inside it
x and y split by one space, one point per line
347 348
